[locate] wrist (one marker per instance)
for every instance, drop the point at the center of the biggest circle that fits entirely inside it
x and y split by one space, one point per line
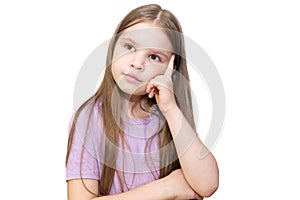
169 192
173 111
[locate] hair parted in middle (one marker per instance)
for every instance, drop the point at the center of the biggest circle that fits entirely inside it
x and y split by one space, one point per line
109 104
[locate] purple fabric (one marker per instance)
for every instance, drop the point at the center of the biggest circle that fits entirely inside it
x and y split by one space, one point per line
139 168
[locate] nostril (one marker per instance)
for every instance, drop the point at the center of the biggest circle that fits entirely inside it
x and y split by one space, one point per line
137 67
141 68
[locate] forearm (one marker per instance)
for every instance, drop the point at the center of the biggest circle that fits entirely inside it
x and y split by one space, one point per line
153 191
200 172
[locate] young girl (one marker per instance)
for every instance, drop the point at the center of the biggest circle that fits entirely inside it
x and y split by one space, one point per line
135 137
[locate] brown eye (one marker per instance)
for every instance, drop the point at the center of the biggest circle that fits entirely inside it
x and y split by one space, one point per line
155 57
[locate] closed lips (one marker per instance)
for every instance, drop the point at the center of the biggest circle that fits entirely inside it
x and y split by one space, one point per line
133 76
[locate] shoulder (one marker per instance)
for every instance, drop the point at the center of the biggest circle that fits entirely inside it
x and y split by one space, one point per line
86 127
88 115
87 122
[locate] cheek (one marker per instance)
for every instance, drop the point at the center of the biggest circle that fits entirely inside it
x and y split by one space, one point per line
155 71
115 71
117 67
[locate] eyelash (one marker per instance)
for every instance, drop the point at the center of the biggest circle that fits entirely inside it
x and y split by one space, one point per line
132 48
159 59
129 47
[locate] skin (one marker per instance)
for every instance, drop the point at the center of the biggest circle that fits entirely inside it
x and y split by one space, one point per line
198 177
144 59
139 58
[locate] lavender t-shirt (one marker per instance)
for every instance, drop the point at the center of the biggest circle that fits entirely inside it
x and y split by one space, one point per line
140 164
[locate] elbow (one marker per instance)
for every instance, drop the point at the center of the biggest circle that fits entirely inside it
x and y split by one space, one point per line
208 190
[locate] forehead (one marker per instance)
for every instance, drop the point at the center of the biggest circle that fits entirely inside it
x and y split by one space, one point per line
147 35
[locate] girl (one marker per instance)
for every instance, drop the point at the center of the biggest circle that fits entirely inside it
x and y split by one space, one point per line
135 137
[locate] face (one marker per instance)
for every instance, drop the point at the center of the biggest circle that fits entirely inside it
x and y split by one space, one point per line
142 52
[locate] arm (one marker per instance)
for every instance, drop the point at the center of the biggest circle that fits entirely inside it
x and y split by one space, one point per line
161 189
76 191
201 173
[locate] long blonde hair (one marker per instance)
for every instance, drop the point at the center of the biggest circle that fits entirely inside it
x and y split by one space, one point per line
165 19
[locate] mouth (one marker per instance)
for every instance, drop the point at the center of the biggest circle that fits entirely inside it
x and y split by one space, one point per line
132 77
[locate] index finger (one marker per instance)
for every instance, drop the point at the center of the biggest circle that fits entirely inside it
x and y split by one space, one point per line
170 68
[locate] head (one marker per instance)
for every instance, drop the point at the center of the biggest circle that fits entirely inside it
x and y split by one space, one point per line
153 31
153 34
140 49
141 52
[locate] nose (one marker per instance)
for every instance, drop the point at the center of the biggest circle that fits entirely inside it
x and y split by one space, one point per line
138 61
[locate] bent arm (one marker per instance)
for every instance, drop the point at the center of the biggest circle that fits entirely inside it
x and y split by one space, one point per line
173 186
153 190
201 173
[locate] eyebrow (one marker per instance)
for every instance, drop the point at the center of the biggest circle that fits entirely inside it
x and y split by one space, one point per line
125 39
157 50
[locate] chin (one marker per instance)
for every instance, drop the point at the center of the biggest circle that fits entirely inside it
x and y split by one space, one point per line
140 91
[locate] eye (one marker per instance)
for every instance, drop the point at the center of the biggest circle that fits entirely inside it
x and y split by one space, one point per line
155 57
129 47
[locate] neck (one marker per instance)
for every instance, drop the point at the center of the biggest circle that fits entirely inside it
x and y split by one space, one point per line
133 105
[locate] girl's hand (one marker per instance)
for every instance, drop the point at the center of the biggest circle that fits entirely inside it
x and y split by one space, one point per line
178 187
161 87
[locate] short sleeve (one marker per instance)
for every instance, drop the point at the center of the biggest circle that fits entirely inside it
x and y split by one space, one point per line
82 161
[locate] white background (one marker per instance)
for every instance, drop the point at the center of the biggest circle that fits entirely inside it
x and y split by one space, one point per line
255 46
